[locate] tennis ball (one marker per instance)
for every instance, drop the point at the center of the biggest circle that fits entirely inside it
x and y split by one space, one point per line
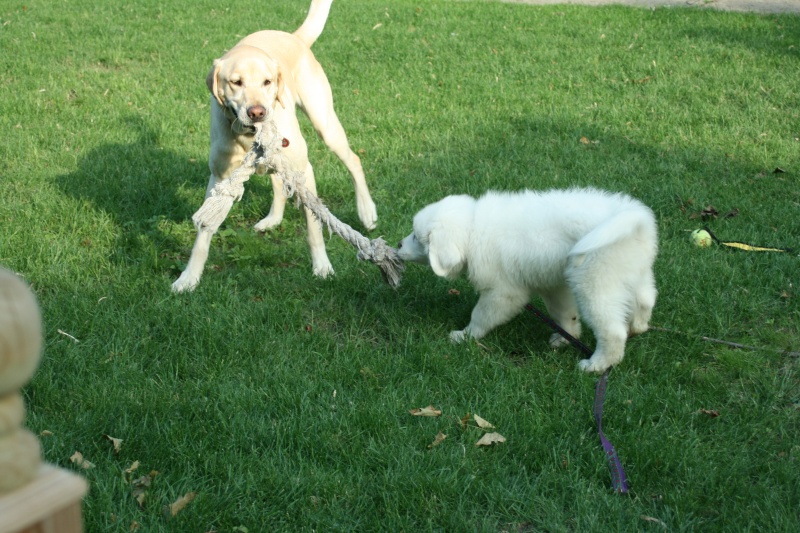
701 238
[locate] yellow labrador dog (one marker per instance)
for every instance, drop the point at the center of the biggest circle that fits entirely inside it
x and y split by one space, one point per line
265 77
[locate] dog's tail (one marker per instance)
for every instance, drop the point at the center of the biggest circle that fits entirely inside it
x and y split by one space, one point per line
312 27
636 221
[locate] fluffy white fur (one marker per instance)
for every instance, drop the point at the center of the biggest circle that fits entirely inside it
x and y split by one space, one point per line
588 253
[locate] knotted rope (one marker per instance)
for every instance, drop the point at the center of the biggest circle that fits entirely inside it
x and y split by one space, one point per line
266 152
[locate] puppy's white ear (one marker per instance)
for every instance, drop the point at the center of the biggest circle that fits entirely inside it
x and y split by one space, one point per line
212 80
444 256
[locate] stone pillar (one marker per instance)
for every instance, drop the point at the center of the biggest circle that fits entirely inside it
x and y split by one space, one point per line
34 497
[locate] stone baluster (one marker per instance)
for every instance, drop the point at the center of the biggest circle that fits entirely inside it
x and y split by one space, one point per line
20 352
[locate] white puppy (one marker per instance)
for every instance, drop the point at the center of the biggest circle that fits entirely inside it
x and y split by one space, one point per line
588 253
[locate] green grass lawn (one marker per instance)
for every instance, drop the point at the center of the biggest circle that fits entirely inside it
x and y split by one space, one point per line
283 400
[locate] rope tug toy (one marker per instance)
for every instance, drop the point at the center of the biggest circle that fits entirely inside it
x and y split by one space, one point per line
266 153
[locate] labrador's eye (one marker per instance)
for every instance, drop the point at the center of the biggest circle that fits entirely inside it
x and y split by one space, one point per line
267 83
237 83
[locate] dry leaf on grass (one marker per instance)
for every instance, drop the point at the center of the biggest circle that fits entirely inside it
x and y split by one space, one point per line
131 469
46 433
179 504
490 438
438 440
483 424
713 413
426 411
140 486
654 520
116 442
78 459
465 420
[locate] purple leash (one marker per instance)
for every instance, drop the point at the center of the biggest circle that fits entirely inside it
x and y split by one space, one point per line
618 478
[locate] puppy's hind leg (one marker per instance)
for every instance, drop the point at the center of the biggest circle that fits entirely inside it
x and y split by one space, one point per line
644 301
601 288
494 307
606 312
275 216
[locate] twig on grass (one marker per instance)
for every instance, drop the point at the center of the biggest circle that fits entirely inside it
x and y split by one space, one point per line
727 343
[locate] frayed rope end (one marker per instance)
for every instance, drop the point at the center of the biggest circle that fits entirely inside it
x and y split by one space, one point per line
386 258
212 213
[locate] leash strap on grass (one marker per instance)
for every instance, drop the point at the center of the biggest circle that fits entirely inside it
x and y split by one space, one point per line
744 246
618 478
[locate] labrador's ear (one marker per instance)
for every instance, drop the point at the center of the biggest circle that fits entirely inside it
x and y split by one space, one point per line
279 88
444 255
212 80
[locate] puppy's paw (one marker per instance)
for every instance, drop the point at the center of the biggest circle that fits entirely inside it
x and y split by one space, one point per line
637 328
458 336
592 364
557 341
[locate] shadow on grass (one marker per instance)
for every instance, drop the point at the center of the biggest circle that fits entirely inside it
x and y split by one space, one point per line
138 185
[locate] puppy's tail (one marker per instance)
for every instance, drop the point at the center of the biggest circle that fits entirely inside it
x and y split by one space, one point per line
312 27
630 223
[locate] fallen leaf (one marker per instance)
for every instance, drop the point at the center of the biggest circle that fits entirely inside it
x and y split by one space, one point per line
453 292
140 486
654 520
483 424
490 438
438 440
181 503
376 26
426 411
584 140
46 433
709 212
77 459
465 420
134 526
713 413
116 442
731 214
131 469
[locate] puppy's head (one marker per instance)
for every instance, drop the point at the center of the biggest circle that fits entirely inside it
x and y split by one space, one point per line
441 236
247 83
